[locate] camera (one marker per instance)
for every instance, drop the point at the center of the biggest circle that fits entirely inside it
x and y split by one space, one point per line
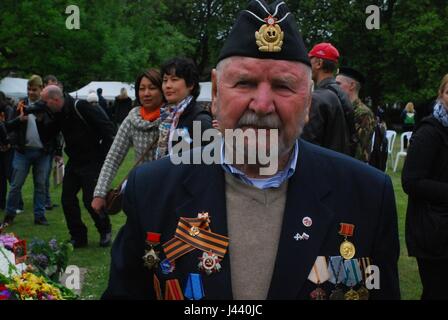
36 107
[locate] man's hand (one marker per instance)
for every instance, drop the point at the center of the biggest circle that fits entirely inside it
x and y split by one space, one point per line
98 204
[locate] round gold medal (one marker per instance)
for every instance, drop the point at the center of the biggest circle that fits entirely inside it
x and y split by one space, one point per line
351 295
347 250
363 293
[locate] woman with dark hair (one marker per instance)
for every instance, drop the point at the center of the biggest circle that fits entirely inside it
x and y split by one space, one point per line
181 89
425 180
139 129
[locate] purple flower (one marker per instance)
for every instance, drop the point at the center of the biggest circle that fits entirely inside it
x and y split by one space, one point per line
8 241
39 260
53 244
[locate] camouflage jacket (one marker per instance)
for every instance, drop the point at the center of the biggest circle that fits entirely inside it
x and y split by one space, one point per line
364 125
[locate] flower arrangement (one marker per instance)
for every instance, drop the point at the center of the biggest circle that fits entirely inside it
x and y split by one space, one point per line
33 275
50 258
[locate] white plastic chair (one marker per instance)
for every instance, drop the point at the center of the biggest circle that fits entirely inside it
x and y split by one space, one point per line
390 135
403 151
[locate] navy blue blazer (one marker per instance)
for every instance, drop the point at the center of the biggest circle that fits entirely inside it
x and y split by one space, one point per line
327 186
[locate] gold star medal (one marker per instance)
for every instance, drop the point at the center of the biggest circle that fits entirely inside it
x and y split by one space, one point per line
270 36
151 258
347 249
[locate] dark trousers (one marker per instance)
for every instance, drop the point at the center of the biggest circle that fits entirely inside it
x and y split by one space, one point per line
433 274
5 175
77 177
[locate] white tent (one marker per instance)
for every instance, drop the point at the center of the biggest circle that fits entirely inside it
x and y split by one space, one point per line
206 92
110 89
14 87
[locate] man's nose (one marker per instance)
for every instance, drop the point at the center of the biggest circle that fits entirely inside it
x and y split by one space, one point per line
262 100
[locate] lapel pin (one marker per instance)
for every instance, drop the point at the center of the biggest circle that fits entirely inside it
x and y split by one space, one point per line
303 236
307 222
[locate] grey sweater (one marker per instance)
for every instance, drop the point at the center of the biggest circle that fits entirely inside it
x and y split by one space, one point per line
254 220
134 131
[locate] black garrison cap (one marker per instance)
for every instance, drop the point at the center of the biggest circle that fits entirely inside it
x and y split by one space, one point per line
352 73
265 32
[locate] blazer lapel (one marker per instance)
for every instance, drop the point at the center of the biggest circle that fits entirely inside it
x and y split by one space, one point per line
295 258
205 192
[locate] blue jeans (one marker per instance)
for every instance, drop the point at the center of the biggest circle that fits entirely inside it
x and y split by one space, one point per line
21 164
47 183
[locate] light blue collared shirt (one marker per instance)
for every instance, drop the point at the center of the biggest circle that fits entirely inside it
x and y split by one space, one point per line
272 182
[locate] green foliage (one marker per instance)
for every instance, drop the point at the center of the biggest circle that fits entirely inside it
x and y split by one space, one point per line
403 60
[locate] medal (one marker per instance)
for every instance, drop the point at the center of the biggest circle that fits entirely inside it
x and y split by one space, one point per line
172 290
194 289
351 295
195 233
353 273
347 249
209 263
318 275
337 294
336 270
167 267
364 263
157 288
318 294
151 257
363 293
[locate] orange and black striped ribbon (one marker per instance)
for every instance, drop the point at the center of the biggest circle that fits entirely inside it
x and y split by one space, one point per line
364 263
157 288
173 290
183 242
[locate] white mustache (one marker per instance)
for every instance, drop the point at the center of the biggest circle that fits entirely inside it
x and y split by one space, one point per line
251 119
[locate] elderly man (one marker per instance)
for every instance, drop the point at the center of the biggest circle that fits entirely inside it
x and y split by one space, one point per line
225 231
88 135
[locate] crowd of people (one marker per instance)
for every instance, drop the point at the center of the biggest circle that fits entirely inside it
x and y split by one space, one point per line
325 178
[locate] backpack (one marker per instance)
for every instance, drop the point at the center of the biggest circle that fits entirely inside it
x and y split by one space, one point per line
379 154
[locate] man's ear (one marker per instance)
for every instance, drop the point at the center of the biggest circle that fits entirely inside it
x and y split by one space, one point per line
214 92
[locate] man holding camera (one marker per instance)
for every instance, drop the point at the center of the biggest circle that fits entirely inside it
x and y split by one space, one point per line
34 139
88 135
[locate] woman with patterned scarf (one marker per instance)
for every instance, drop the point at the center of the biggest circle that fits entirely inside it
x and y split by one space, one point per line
181 89
425 180
139 129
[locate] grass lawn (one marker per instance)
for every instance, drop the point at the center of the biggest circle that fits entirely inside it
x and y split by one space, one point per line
96 260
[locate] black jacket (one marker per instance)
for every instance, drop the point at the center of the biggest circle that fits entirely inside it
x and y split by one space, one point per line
425 180
89 134
326 126
46 127
319 189
347 107
121 108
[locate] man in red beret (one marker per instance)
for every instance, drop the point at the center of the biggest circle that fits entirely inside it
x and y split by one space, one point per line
324 59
